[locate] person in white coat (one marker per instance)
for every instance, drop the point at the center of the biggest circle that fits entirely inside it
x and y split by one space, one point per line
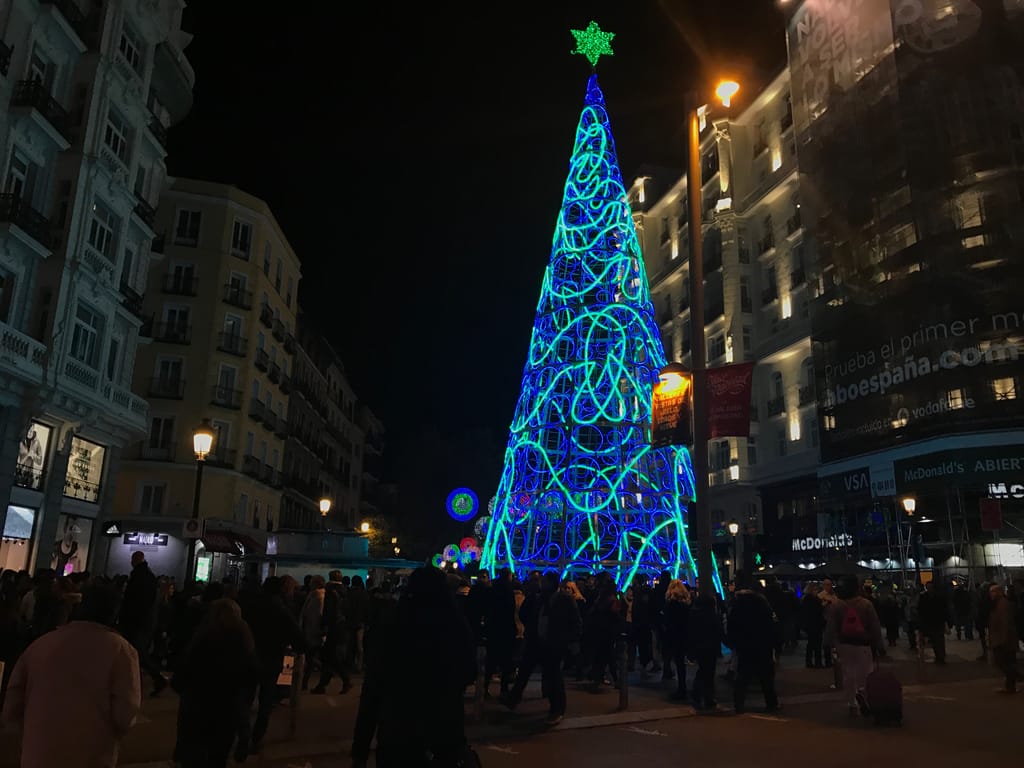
90 673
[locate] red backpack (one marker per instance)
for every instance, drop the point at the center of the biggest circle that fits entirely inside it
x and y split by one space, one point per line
852 630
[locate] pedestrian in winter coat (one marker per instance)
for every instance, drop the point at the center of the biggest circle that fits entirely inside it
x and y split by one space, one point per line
311 619
751 635
274 630
552 623
334 655
86 673
933 615
139 614
215 681
854 630
705 641
1003 637
812 619
677 625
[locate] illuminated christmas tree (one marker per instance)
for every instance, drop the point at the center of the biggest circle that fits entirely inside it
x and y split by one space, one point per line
582 490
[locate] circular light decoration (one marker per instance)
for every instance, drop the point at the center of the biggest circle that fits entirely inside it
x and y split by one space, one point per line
450 552
480 528
462 504
467 543
436 561
491 504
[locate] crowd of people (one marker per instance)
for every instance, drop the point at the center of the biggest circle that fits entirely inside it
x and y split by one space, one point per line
88 641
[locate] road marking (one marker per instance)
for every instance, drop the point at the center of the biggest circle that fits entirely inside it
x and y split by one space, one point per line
644 731
503 750
770 718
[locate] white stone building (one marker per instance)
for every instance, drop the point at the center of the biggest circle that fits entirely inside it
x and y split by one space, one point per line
90 90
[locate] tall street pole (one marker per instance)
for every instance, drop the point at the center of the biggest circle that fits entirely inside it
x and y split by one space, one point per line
190 565
701 509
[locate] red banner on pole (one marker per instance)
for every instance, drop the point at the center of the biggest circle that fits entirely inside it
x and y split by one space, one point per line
991 514
728 400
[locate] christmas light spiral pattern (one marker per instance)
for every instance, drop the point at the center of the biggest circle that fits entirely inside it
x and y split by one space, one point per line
581 489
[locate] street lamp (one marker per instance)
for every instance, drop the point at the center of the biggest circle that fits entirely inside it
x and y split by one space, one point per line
325 507
364 527
202 444
725 91
734 528
909 505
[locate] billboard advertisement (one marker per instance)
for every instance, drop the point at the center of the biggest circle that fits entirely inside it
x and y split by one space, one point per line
908 116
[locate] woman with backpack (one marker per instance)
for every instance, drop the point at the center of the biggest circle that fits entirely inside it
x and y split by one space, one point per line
854 630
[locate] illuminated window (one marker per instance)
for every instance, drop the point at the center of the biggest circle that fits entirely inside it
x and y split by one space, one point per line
955 398
751 450
794 429
1005 389
787 307
829 422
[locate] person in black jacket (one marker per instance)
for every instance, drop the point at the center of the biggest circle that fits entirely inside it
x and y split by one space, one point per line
705 647
751 635
138 617
677 622
812 619
552 622
335 650
500 631
933 614
274 628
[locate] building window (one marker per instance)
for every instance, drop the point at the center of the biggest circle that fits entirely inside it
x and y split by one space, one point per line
161 431
812 429
130 47
751 450
21 177
242 508
955 398
116 135
777 391
720 455
113 354
103 230
717 347
288 293
829 422
277 278
266 259
186 230
1004 389
85 339
241 239
151 499
748 347
250 441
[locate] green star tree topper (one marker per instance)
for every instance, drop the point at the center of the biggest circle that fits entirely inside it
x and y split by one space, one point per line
593 43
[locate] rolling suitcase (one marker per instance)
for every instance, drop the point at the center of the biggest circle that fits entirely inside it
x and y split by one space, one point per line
884 697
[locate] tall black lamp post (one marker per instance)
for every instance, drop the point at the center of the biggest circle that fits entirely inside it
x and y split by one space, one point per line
202 443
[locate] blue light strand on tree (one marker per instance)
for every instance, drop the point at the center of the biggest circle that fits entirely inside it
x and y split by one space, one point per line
581 489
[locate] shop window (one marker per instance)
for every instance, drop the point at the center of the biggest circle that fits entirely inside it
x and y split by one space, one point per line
71 550
32 453
1005 388
85 469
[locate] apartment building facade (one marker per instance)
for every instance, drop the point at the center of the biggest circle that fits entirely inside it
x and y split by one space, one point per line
221 308
759 278
90 92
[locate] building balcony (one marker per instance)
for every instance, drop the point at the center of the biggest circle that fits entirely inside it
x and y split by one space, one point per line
744 254
5 58
262 360
177 284
274 373
73 16
765 245
34 95
127 401
82 490
222 457
269 419
233 344
270 476
281 428
713 311
285 385
775 406
807 395
166 388
20 355
31 477
278 330
768 295
251 466
14 210
684 303
237 296
145 211
712 264
257 411
157 130
746 304
290 344
172 333
158 244
144 452
131 300
797 277
226 397
793 225
267 316
308 488
81 374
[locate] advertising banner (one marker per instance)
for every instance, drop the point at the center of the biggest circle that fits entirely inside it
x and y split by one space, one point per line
728 402
672 411
962 468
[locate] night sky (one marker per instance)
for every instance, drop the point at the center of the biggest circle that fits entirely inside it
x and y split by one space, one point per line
415 156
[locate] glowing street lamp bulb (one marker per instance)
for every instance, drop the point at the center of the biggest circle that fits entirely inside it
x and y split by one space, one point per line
364 528
325 506
726 90
909 504
202 440
734 527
